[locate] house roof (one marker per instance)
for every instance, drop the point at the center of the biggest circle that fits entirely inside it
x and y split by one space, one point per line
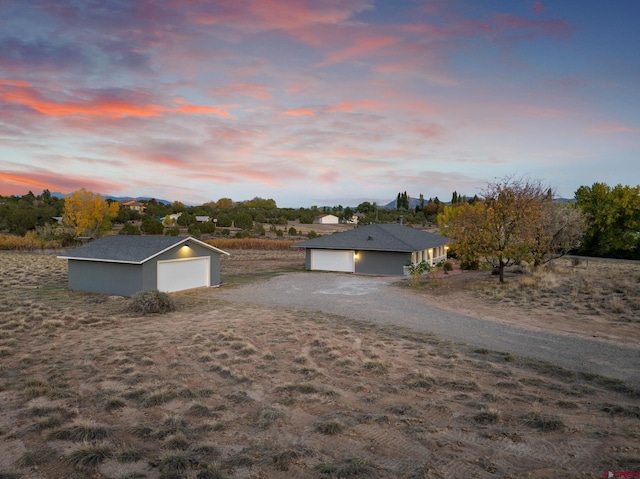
131 203
375 237
133 249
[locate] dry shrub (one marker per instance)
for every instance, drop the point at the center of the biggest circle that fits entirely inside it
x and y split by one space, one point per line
151 302
28 242
617 305
528 282
250 243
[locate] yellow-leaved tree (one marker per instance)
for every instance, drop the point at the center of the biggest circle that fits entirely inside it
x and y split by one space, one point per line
88 213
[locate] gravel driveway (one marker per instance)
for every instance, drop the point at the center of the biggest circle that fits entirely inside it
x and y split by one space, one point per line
376 299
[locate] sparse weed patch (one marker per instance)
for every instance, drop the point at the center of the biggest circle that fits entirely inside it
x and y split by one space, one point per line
377 367
90 455
544 422
330 427
420 380
126 454
352 467
267 415
461 385
86 430
487 416
174 463
36 457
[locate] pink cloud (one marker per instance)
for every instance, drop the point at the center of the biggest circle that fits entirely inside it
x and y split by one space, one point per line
365 46
614 127
274 14
538 8
259 92
521 26
430 130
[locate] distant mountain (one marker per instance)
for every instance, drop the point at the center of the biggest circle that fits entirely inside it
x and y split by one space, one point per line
117 198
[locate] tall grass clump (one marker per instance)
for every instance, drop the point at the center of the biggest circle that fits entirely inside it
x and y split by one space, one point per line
151 302
250 243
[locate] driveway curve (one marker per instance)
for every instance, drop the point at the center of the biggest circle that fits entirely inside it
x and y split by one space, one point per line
375 299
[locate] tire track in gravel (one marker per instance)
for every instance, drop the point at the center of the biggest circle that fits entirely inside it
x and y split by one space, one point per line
376 300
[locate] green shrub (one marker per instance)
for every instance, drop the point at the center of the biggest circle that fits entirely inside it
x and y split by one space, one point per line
129 229
447 266
151 301
243 234
152 227
259 229
244 221
194 231
172 232
207 227
292 231
312 234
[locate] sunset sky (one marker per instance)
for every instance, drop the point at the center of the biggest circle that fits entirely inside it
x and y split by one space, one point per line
316 102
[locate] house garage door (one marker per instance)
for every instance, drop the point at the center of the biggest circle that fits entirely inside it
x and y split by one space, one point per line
179 274
325 260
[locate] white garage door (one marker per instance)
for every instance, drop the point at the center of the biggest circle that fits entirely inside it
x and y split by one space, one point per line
325 260
179 274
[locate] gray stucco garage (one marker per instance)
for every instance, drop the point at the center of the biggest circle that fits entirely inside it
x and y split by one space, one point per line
123 265
374 249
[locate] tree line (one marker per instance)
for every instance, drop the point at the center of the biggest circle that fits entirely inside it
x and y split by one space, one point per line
512 220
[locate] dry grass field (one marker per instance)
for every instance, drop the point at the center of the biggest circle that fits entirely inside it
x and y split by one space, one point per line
223 390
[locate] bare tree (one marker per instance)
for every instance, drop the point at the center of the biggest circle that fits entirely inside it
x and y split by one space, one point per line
560 230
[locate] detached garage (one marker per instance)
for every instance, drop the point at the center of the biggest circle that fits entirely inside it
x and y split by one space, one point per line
123 265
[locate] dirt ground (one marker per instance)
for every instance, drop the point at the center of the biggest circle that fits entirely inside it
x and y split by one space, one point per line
216 389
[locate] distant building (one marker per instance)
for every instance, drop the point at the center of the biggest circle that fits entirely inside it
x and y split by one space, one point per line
326 220
355 219
133 205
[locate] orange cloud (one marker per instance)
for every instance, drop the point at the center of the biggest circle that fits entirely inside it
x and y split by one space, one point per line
21 93
168 160
26 181
18 183
197 109
353 105
299 112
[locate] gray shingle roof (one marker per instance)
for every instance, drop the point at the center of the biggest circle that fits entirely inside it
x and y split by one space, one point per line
387 237
129 248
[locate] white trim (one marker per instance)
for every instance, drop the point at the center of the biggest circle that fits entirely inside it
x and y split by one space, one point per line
179 243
